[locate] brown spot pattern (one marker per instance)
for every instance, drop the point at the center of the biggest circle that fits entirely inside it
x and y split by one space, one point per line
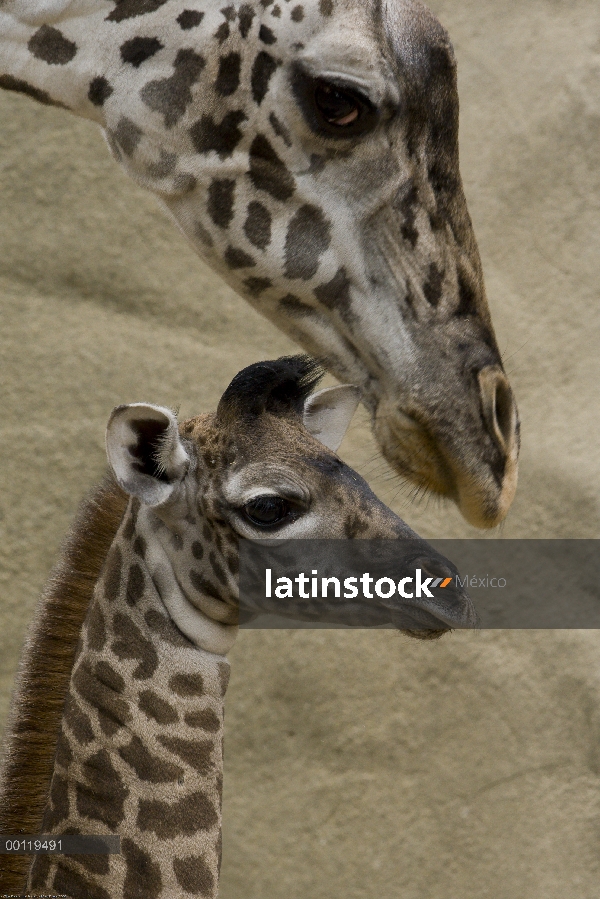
147 766
268 172
136 584
78 722
172 96
308 237
187 684
70 882
131 644
51 46
128 9
193 875
103 795
206 719
195 753
184 817
142 880
153 706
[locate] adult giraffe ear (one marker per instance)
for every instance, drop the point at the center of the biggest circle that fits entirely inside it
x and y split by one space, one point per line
328 413
145 451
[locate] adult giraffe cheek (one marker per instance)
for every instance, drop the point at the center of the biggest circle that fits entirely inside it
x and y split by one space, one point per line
469 454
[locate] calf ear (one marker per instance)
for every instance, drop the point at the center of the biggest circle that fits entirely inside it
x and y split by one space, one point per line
145 451
328 413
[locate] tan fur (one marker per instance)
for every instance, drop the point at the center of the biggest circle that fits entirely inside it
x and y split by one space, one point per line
45 669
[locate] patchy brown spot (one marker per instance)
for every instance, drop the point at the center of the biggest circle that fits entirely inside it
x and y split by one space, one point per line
197 549
100 90
297 14
8 83
78 722
131 644
127 135
263 68
112 711
185 816
193 875
107 675
103 795
70 882
220 201
128 9
189 18
206 719
237 258
267 170
142 880
154 707
139 49
221 137
266 35
165 628
172 96
432 289
203 585
59 802
326 7
308 237
63 756
228 77
51 46
335 294
136 584
257 226
139 546
246 17
147 766
195 753
187 684
256 286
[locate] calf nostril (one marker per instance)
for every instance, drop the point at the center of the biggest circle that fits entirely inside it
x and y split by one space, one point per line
498 407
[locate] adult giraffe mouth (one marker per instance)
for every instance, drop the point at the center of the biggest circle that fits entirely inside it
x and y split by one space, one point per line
479 475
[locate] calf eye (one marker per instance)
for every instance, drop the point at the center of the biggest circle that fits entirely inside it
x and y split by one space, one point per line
268 510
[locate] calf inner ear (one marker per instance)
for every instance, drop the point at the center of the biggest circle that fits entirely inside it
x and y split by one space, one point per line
147 452
328 413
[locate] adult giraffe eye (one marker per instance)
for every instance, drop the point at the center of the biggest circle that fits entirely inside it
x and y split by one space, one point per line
333 109
267 511
342 110
338 106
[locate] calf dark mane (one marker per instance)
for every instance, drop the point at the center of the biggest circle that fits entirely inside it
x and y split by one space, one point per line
45 669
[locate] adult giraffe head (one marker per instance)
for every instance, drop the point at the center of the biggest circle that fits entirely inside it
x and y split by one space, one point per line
309 152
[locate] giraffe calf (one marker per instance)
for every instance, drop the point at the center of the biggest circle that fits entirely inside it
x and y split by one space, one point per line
134 744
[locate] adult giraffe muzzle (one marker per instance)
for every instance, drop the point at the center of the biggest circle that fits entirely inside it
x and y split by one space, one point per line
309 152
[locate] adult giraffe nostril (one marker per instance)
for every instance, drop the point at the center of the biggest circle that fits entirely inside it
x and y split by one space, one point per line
498 407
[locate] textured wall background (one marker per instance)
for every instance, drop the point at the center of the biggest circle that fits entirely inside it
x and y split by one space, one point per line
357 764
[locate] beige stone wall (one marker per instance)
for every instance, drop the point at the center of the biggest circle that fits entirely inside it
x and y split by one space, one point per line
358 765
